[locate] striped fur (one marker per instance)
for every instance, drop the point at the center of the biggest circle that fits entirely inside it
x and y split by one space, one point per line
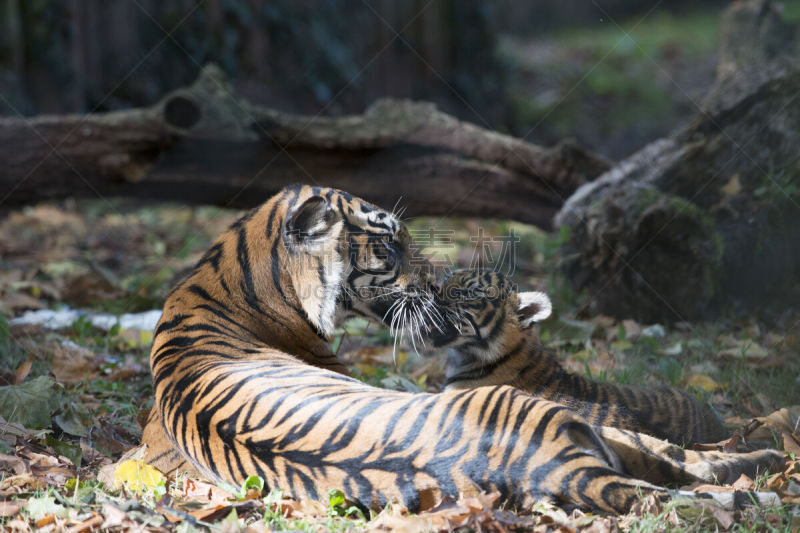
245 383
495 346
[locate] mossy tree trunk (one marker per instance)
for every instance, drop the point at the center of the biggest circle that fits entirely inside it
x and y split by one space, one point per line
708 219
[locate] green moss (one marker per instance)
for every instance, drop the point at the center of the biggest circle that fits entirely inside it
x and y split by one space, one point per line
696 31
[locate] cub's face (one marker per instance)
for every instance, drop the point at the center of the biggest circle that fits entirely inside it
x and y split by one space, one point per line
484 311
367 259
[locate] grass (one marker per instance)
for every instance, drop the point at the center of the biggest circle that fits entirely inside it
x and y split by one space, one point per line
109 398
696 31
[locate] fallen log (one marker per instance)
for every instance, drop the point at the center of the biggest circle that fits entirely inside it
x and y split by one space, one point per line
204 144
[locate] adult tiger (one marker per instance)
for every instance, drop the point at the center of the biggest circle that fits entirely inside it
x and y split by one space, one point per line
245 383
495 345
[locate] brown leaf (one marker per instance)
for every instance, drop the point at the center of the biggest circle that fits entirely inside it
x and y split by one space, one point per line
45 521
648 505
93 458
19 484
89 287
713 488
752 353
9 509
257 527
47 468
733 187
90 524
194 489
114 517
212 514
743 483
725 518
783 420
73 363
12 302
221 511
603 525
17 525
9 431
23 370
110 439
791 444
9 463
729 445
632 329
299 508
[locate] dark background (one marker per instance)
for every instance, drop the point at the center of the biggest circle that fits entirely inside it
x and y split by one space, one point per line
542 70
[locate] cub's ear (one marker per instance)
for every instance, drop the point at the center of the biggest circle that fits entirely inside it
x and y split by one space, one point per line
533 307
312 220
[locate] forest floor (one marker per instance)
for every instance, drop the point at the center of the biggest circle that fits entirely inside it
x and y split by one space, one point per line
70 396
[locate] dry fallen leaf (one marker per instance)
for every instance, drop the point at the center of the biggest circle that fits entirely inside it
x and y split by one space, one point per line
743 349
473 513
725 518
701 381
73 363
194 489
784 420
743 483
791 444
136 475
19 484
111 439
23 370
632 329
90 524
108 472
114 517
88 287
52 470
13 302
9 509
221 511
729 445
12 463
733 187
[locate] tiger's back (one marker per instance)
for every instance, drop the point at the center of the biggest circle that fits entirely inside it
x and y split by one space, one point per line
245 382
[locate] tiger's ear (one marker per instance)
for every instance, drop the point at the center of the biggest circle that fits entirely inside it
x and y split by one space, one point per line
311 221
533 307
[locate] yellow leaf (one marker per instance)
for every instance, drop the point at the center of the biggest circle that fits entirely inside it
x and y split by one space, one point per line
135 338
145 337
750 350
137 475
701 381
733 187
402 357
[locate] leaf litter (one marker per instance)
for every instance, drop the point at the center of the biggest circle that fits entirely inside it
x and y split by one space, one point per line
70 459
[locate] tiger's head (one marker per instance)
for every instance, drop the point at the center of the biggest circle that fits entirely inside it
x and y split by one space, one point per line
485 314
346 257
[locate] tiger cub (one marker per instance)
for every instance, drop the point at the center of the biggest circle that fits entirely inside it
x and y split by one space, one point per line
494 344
